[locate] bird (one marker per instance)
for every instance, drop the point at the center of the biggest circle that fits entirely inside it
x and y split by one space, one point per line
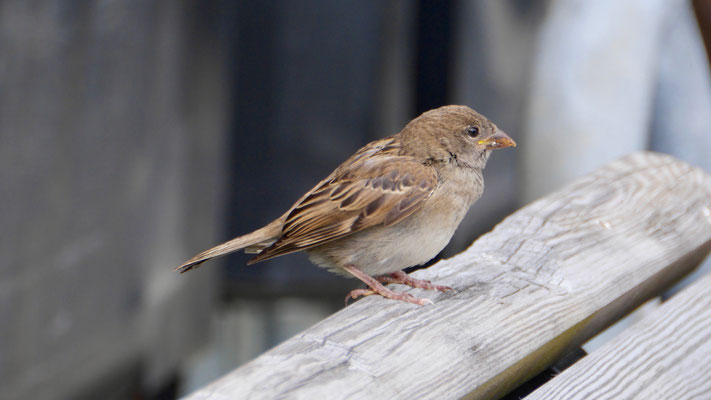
394 204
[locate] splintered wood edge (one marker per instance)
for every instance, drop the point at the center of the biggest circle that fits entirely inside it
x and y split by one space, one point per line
548 277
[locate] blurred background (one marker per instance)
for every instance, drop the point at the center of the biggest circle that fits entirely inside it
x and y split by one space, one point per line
134 134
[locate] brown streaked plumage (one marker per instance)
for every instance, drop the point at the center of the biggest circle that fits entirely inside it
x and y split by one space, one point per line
394 204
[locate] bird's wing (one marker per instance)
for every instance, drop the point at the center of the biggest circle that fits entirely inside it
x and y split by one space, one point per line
375 186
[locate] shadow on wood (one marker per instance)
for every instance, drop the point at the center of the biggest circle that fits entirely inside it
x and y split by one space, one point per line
664 356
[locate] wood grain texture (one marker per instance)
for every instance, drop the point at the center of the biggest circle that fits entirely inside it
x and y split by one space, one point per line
548 277
664 356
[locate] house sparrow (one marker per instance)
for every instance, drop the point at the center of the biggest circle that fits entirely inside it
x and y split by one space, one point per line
394 204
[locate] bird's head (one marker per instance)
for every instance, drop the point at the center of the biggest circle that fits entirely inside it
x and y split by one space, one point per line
454 132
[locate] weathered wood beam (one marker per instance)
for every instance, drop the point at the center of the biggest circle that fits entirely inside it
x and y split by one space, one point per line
664 356
548 277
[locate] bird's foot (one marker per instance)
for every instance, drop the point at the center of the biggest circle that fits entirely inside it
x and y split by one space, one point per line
387 293
405 279
378 288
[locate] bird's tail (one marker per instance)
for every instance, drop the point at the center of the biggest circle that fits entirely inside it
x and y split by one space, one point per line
251 243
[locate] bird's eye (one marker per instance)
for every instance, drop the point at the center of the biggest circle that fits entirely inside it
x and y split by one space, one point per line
473 131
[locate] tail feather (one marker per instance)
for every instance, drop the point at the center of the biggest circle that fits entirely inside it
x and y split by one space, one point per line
258 239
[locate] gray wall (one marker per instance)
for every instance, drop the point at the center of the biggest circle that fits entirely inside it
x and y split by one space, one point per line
112 121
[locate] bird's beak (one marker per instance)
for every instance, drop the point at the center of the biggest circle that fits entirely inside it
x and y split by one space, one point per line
498 140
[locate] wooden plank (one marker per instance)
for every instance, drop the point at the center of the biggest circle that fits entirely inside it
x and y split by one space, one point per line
548 277
664 356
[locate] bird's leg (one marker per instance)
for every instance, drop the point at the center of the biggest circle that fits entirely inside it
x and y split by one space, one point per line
405 279
378 288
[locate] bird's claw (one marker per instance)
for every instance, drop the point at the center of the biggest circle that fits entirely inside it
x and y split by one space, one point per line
405 279
406 297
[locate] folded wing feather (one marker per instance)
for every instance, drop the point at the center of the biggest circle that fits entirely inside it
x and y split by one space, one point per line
383 188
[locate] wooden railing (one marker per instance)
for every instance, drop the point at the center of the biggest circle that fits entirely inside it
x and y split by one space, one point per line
545 280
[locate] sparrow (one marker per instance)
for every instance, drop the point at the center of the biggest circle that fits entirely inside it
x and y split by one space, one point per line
393 204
